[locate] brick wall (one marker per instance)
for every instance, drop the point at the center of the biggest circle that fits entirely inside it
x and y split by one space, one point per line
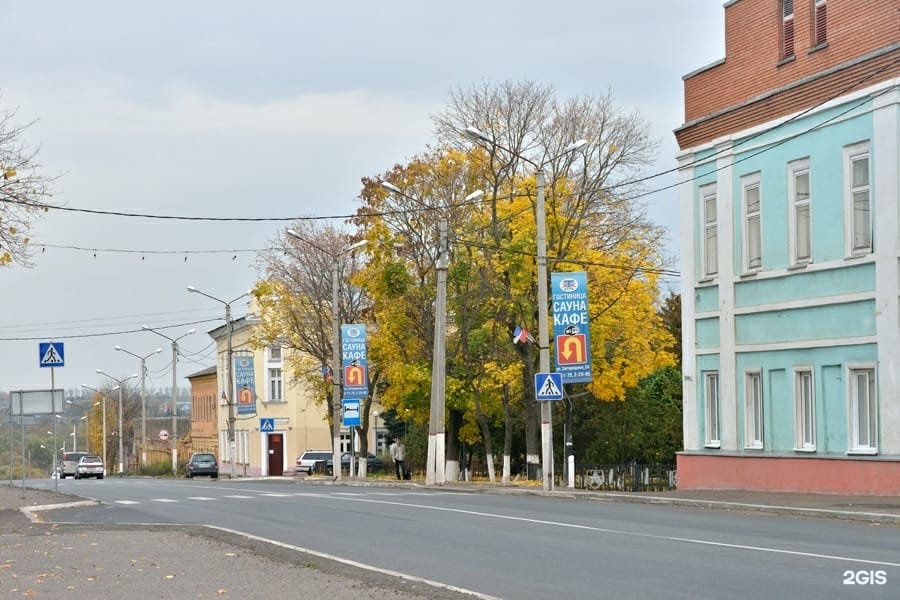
753 62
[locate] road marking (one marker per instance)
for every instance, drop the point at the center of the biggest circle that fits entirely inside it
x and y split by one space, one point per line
360 565
239 497
629 533
201 498
276 495
164 500
126 502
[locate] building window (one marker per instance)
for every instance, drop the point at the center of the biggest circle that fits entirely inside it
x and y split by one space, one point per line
275 354
753 411
820 22
712 410
752 224
710 231
799 217
787 29
804 410
863 411
275 388
858 204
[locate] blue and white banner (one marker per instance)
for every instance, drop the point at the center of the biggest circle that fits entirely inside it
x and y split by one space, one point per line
245 385
354 361
571 326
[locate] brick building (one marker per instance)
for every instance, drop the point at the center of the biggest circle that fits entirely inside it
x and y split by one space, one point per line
789 158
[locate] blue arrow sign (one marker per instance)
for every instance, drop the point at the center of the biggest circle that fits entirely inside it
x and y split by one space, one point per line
548 386
266 424
51 354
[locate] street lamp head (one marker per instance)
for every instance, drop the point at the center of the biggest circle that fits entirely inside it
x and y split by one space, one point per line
475 134
119 348
391 187
191 330
476 195
157 351
191 288
576 145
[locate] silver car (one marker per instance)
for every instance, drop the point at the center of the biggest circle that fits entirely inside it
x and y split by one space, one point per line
311 460
90 465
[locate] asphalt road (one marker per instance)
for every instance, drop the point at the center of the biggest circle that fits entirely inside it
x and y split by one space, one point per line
524 547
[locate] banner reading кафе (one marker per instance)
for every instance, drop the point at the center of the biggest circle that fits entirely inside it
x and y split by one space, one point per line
571 326
354 361
245 385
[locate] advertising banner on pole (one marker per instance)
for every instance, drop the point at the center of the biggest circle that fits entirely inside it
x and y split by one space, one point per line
571 326
245 384
354 361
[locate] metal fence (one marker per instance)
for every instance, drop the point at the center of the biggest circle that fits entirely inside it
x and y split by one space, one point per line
633 477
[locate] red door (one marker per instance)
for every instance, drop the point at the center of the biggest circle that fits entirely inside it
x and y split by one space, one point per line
276 454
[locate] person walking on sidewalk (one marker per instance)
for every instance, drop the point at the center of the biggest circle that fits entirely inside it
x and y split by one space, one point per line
398 455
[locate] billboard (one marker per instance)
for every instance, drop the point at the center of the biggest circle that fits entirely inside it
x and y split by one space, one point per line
571 326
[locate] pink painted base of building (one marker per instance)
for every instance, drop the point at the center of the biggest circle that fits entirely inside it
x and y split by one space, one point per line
863 476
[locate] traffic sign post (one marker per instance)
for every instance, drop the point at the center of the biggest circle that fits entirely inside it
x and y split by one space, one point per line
548 386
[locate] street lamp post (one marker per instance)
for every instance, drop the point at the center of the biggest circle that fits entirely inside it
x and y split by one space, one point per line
228 357
375 437
435 468
335 347
542 292
103 400
143 360
174 435
120 384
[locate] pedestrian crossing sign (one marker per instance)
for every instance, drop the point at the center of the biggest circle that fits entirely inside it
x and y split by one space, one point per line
51 354
266 424
548 386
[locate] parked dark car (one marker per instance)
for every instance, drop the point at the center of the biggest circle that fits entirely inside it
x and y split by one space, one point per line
90 465
202 464
373 463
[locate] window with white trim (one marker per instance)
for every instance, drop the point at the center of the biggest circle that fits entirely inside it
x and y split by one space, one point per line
799 218
712 409
858 199
710 231
276 392
753 411
752 223
804 410
787 29
863 411
820 22
275 354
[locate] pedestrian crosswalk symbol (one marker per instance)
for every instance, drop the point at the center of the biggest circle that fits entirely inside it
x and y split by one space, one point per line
267 424
548 386
51 354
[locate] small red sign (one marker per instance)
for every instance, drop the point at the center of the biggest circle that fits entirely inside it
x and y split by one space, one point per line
571 349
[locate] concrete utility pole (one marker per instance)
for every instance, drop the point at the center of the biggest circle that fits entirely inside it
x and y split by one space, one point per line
174 434
120 385
103 400
229 354
143 360
436 462
542 291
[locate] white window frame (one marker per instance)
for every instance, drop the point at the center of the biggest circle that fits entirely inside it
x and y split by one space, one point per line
754 415
796 205
712 409
852 223
820 23
788 40
274 354
274 384
710 242
804 409
751 221
862 437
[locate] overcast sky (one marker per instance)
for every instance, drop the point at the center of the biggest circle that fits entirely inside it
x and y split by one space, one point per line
269 109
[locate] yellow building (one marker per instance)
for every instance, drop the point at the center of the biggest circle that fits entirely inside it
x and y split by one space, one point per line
274 419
